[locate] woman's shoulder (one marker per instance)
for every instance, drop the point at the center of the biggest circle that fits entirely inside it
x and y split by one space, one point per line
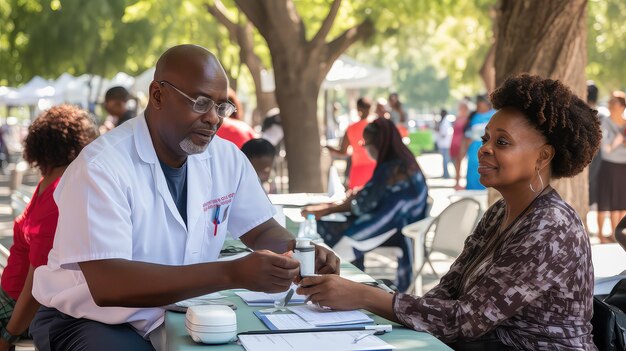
553 206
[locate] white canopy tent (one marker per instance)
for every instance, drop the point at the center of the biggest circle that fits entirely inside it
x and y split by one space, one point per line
347 73
30 93
65 89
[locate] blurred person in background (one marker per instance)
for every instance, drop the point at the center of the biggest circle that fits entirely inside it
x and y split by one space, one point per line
54 140
381 108
397 114
361 164
457 139
116 105
474 130
261 154
611 189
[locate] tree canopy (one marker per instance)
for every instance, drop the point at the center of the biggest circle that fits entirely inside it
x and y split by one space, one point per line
435 48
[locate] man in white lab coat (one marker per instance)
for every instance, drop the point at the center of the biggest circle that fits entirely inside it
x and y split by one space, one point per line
144 211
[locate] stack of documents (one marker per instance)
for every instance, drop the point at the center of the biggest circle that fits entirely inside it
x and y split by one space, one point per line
253 298
308 317
323 318
291 321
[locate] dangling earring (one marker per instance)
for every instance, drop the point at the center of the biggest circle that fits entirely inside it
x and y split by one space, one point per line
540 180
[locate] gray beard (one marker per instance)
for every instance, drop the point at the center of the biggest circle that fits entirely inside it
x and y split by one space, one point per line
190 148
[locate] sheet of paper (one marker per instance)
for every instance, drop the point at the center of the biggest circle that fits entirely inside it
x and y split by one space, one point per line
254 298
319 317
327 341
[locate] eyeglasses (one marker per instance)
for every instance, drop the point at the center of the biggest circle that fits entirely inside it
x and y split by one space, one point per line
203 104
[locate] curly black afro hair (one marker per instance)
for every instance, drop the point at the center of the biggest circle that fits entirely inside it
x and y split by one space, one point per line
57 136
567 122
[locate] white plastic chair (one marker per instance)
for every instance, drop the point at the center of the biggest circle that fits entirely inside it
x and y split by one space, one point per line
4 258
450 229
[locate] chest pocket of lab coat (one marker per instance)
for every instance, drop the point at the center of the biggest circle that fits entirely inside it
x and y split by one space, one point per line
216 225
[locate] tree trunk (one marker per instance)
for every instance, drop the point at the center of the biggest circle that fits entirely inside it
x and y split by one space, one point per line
302 140
297 88
547 38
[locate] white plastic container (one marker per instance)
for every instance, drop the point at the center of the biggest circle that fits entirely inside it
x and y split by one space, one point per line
211 324
304 252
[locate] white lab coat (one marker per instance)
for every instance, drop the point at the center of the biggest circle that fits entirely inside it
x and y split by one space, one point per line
114 203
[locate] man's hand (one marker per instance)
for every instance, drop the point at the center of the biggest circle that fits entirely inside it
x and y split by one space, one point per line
326 262
264 271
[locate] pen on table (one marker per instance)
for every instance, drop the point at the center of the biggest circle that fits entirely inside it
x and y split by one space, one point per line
216 220
362 336
377 329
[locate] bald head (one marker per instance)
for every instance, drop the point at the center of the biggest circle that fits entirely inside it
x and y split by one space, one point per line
183 75
187 61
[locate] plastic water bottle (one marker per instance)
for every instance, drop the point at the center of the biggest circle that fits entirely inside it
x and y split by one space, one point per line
308 229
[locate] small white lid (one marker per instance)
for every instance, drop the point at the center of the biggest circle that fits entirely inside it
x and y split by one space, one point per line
303 243
211 315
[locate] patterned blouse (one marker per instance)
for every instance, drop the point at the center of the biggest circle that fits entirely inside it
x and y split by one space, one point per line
535 293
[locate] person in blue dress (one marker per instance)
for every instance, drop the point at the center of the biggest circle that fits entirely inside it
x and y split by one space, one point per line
395 196
474 130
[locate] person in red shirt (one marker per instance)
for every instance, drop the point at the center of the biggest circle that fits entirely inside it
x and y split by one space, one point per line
54 139
233 128
362 165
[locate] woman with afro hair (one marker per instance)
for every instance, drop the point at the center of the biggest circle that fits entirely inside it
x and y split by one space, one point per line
524 280
54 140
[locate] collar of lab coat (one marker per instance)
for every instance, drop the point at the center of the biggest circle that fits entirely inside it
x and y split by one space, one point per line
145 148
198 175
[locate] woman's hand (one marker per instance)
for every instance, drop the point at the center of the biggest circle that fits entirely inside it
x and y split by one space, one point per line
333 291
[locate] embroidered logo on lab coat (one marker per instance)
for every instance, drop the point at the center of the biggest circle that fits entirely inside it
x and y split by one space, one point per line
220 201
